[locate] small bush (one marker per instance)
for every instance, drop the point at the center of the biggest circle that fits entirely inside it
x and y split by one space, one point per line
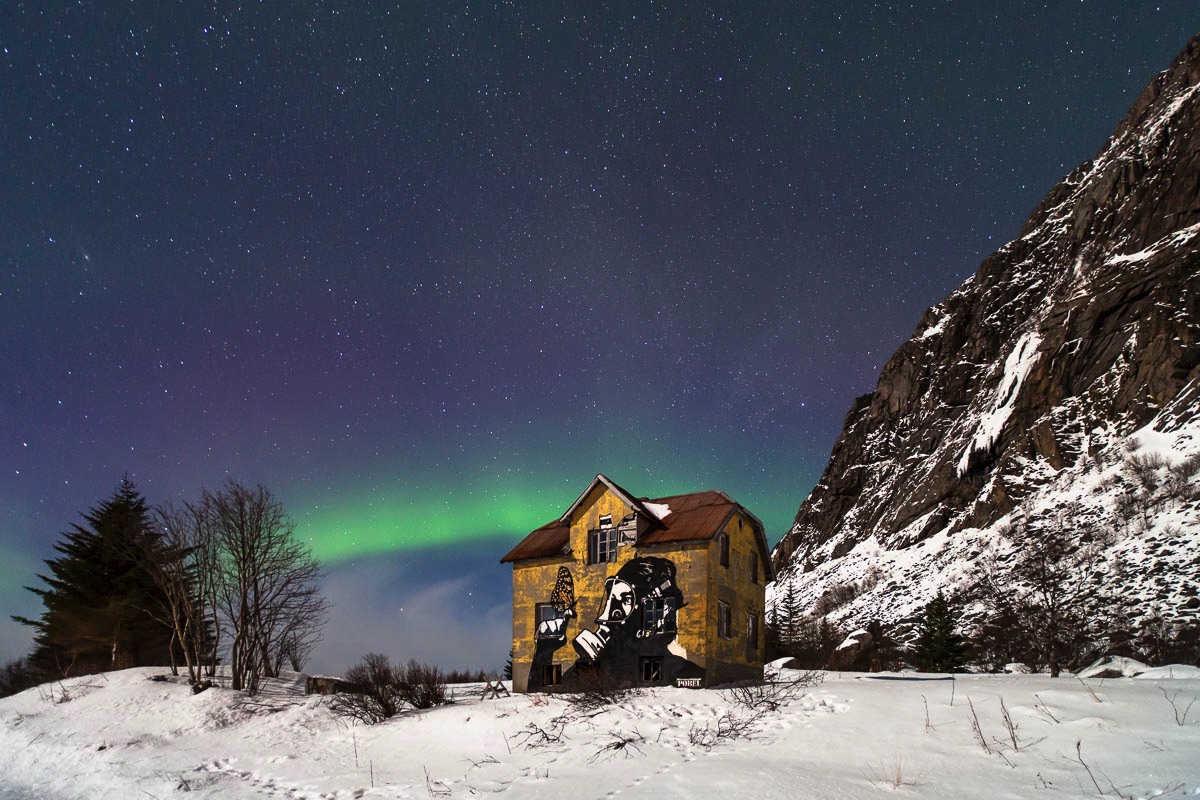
381 690
422 685
378 695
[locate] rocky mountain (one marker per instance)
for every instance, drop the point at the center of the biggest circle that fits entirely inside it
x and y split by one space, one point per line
1038 391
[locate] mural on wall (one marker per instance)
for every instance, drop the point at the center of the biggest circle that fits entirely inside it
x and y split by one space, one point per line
554 616
632 634
641 600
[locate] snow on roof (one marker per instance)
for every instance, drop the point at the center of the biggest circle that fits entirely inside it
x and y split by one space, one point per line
659 510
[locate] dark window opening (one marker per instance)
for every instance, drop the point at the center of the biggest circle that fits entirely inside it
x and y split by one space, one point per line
753 567
724 620
651 669
723 544
551 674
752 629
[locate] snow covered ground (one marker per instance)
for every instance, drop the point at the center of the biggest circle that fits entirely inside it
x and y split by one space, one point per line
853 736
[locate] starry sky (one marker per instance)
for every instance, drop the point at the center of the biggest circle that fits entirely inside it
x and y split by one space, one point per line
424 269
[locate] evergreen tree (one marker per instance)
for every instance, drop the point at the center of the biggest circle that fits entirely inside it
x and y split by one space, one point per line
939 648
789 621
508 666
97 595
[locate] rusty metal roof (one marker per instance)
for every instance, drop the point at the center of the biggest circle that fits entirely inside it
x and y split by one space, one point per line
694 516
551 539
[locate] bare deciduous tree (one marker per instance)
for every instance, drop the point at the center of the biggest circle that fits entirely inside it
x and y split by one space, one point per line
172 564
267 582
1051 589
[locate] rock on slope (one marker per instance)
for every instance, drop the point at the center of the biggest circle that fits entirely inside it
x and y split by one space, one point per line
1020 391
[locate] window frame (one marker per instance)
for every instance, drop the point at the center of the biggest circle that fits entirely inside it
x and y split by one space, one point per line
754 567
656 610
607 537
724 620
752 629
551 675
556 613
650 669
723 549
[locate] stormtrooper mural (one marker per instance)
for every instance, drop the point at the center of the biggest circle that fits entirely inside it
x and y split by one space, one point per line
634 632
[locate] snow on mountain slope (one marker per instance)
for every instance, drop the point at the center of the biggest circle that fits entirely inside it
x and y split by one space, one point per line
854 736
1020 395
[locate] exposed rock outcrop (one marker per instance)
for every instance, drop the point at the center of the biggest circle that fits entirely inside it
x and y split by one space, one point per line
1083 330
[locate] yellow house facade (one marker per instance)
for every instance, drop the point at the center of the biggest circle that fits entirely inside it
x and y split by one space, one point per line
656 592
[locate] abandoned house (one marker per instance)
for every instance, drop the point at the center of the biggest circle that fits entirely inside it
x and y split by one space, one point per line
669 591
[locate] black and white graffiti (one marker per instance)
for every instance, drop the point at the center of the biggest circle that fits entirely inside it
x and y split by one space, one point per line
554 616
640 601
634 634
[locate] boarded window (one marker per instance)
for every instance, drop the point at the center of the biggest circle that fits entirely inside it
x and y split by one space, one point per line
724 620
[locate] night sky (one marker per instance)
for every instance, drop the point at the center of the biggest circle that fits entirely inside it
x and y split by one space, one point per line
424 271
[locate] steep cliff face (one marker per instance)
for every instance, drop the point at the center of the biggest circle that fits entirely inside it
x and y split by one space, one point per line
1069 339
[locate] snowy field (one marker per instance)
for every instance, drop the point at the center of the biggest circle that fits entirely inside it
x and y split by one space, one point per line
853 736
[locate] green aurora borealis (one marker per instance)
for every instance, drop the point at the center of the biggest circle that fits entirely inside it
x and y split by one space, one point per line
359 523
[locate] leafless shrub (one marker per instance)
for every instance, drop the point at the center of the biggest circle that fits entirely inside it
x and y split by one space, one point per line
1180 716
422 685
727 728
765 696
378 696
533 736
623 743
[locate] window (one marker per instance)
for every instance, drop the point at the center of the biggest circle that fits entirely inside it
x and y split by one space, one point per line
752 629
651 669
724 620
723 544
606 521
753 567
551 674
658 615
550 622
602 546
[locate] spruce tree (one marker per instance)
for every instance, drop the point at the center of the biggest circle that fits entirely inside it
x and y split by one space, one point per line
97 596
938 647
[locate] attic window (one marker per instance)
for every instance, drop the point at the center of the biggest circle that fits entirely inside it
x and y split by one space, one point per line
602 545
606 520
